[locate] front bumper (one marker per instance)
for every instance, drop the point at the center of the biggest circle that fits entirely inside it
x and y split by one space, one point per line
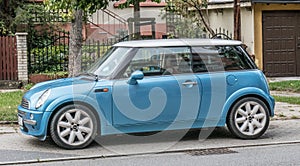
33 122
30 122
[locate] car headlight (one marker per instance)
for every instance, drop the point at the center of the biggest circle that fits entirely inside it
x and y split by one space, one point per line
43 98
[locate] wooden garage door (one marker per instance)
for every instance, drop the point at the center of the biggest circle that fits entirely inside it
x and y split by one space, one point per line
281 43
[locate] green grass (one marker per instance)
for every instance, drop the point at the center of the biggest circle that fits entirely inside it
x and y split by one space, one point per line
291 100
294 117
9 102
281 115
292 86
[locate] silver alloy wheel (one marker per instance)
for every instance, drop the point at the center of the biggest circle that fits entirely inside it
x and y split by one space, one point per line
75 127
250 118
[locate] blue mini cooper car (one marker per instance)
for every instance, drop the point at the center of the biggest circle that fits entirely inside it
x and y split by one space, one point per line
153 85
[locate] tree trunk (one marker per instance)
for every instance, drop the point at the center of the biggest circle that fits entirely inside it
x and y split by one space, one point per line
137 16
75 44
237 20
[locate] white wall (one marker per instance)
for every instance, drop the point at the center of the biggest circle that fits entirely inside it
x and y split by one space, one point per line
224 18
221 18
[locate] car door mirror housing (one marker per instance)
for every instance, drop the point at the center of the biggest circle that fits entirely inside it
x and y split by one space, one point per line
137 75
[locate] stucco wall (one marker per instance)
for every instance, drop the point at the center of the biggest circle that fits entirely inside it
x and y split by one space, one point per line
224 18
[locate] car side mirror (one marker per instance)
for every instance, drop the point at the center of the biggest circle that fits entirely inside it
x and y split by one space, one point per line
137 75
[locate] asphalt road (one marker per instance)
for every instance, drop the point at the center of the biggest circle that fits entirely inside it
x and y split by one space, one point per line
247 156
281 141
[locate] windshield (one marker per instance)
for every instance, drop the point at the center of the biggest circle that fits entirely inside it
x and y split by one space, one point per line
109 62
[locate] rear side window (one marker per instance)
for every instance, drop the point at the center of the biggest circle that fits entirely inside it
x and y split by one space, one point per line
220 58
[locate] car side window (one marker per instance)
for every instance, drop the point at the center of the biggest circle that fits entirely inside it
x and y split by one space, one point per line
233 58
218 58
160 61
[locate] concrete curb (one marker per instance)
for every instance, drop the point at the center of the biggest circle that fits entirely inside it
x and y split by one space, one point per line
279 79
8 122
10 90
284 93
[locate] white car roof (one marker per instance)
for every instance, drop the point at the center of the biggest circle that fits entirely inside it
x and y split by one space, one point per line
177 42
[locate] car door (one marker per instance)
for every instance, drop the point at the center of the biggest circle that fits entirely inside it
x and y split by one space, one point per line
208 67
219 68
161 97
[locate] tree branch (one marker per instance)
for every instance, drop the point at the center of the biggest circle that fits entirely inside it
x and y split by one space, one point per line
196 6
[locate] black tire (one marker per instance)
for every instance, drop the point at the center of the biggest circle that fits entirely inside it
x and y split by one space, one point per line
245 122
71 132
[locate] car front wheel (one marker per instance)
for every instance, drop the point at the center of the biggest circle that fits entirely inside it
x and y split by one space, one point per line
249 118
73 127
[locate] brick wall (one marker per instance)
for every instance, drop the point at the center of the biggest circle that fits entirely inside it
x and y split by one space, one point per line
22 57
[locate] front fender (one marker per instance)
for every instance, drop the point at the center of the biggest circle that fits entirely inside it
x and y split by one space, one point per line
64 99
54 105
249 91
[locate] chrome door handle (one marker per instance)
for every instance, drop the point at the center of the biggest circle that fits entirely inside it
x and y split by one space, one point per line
189 83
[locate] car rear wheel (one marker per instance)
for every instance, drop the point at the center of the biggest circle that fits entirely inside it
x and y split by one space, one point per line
73 127
249 118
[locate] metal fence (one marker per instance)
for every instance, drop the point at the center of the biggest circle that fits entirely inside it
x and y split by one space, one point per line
52 56
48 41
221 33
48 51
93 50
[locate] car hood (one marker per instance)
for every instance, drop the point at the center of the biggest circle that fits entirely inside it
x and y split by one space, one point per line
76 84
53 83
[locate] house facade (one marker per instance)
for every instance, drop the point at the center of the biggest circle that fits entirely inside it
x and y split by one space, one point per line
277 36
220 15
270 29
114 21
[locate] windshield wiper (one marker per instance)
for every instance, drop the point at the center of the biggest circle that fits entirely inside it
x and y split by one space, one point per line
89 74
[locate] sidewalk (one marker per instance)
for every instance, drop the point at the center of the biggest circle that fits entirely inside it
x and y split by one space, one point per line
8 129
285 110
277 79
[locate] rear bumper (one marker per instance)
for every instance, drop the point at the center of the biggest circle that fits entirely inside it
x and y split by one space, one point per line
272 106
